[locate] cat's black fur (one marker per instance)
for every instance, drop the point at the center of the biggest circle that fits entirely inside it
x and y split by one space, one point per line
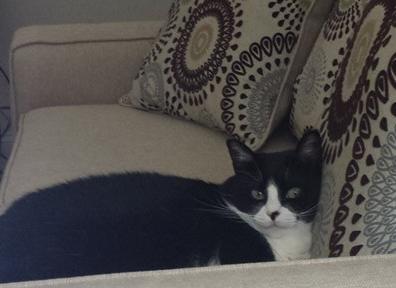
134 222
100 225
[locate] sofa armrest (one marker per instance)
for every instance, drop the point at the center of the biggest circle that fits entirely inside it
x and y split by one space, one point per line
77 63
353 272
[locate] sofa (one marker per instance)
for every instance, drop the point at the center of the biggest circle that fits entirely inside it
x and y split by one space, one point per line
65 82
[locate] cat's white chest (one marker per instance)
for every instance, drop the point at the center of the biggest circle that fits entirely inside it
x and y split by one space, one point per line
290 244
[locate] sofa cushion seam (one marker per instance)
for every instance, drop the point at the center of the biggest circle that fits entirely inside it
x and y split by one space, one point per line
75 42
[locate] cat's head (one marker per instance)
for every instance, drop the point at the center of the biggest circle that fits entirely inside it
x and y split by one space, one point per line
276 190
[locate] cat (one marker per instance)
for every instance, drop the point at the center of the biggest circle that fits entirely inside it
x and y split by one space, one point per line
144 221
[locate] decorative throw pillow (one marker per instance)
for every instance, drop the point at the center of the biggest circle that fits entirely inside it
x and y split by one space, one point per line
222 63
347 91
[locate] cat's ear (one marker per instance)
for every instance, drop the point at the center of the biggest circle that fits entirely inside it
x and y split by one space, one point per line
309 149
243 160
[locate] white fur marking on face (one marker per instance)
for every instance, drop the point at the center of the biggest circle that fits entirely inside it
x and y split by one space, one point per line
273 203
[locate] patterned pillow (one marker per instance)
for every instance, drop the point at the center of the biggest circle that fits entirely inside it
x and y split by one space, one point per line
222 63
347 90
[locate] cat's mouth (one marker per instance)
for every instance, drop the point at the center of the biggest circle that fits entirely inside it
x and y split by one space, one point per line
263 224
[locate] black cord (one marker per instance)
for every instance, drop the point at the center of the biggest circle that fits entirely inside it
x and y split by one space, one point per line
2 72
4 131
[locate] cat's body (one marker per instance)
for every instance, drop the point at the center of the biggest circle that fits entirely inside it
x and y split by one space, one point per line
58 233
138 222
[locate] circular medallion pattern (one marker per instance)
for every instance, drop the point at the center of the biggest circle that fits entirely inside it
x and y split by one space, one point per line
311 82
202 44
343 19
380 218
152 87
290 14
377 192
358 55
373 82
351 83
262 101
264 64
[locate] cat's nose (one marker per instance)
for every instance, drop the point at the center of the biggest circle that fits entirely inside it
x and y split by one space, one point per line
273 215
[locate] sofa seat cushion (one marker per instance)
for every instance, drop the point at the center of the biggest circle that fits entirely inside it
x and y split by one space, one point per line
63 143
60 144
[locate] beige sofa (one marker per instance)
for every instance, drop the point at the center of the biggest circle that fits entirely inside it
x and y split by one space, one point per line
65 81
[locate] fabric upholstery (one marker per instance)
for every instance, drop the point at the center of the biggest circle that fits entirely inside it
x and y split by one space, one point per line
223 64
77 63
347 91
357 272
63 143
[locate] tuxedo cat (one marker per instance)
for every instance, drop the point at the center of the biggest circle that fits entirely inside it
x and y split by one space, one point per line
140 221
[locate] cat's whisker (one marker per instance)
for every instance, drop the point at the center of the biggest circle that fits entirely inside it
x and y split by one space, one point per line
307 214
206 203
223 211
216 206
309 211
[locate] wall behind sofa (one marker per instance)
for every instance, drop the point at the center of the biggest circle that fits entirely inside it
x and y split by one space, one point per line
19 13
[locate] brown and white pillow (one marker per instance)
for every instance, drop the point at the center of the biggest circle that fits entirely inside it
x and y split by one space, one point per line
347 91
223 63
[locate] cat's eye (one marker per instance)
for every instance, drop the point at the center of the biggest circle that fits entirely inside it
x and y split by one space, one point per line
293 193
258 195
